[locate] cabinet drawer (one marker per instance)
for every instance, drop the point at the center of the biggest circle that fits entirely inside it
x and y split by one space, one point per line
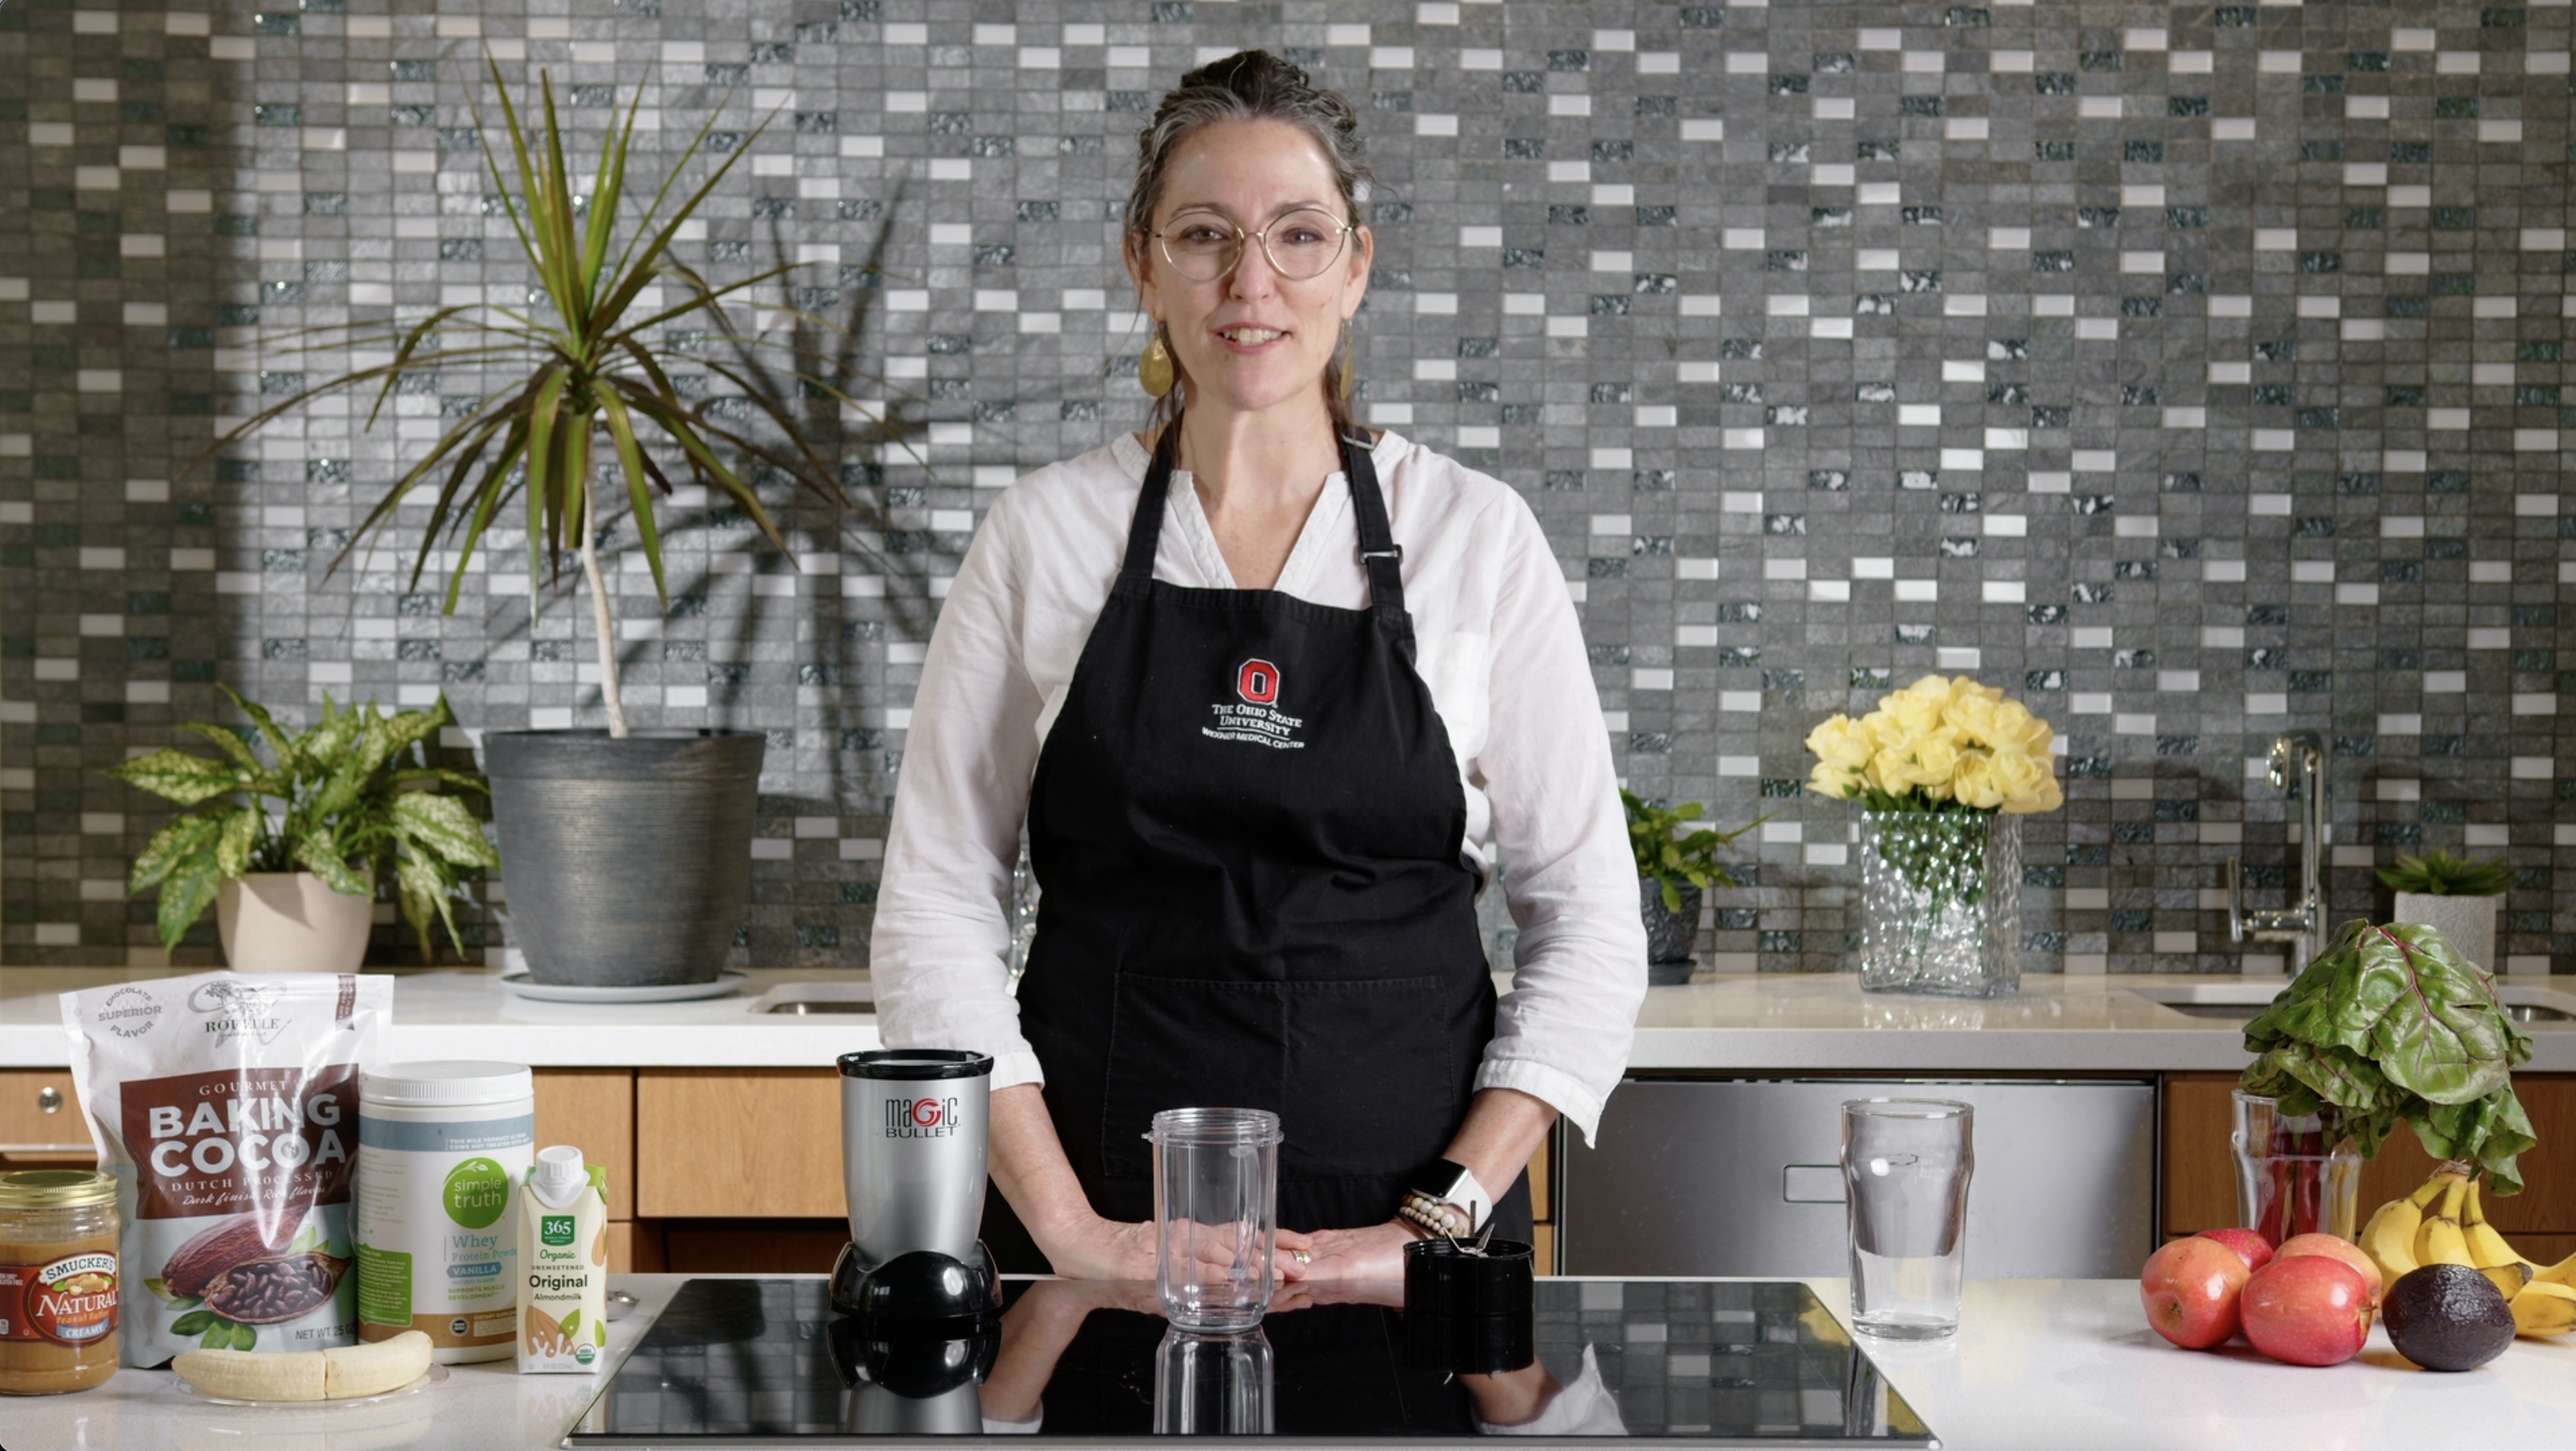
39 1114
736 1143
593 1109
2200 1171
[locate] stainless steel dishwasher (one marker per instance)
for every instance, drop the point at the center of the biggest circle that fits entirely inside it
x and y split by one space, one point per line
1742 1176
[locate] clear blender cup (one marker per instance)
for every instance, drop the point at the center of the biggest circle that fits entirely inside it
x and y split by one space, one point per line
1216 1215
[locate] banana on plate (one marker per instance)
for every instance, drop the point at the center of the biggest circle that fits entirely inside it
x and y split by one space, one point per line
343 1373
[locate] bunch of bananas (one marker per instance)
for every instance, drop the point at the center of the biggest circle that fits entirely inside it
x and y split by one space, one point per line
2444 1223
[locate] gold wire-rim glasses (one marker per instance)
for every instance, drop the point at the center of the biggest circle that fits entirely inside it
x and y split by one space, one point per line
1230 256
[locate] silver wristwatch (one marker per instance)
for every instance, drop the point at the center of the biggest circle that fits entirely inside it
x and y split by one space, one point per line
1443 1183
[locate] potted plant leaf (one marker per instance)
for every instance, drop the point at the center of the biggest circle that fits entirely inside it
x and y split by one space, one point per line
1673 868
294 888
630 851
2455 894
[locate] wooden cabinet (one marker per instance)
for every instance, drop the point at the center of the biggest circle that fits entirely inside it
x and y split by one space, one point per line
2200 1174
594 1109
40 1120
738 1143
1542 1180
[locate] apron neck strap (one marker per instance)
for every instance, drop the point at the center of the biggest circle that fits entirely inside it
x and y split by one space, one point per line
1145 533
1380 555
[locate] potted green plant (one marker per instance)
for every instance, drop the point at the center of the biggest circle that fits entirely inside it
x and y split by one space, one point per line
630 851
294 888
1674 867
2456 894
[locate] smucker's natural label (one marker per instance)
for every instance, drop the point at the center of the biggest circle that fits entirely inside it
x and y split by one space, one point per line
71 1301
227 1107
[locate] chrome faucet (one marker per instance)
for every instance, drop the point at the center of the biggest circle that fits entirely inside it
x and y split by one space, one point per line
2298 766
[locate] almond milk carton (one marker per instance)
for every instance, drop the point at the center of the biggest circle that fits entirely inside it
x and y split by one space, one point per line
563 1264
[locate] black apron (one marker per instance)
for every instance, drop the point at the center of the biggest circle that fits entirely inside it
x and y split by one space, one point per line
1248 830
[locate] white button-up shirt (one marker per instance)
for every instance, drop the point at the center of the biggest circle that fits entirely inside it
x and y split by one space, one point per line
1498 645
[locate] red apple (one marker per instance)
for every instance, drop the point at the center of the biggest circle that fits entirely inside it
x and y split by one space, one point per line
2336 1248
2248 1243
2307 1309
2190 1289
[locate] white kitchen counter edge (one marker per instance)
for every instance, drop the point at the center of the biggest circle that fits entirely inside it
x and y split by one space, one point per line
1759 1023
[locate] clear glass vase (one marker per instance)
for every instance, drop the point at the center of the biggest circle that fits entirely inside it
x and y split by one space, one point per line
2290 1178
1940 902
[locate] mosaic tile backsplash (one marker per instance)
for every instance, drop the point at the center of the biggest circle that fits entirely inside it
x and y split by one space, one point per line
2194 372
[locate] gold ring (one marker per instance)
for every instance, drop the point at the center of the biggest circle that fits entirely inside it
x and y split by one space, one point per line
1302 1257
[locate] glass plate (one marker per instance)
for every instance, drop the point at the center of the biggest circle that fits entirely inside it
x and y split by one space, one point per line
434 1377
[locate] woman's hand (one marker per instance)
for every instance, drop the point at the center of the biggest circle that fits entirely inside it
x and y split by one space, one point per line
1089 1247
1375 1252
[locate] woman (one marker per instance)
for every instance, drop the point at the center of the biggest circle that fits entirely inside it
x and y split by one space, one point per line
1258 709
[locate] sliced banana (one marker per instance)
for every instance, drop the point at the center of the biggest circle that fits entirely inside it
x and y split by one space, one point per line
376 1367
310 1375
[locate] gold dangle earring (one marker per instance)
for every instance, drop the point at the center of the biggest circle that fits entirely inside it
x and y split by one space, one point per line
1346 358
1154 369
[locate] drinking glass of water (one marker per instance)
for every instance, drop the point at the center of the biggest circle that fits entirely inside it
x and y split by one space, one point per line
1906 1163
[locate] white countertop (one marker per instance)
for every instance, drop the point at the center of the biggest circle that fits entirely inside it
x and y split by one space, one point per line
468 1014
1787 1022
2038 1364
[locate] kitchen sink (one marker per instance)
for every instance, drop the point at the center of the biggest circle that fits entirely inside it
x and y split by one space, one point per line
806 999
2239 1002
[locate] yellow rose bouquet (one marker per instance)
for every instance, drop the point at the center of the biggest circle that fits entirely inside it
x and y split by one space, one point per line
1938 769
1939 745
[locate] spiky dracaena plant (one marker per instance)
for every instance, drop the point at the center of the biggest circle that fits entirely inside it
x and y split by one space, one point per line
597 366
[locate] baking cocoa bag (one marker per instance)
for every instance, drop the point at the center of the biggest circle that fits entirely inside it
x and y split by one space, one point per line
227 1107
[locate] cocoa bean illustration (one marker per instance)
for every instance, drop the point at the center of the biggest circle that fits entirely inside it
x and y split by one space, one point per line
274 1290
194 1265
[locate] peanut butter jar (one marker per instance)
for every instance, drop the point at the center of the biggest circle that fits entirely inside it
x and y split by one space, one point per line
59 1280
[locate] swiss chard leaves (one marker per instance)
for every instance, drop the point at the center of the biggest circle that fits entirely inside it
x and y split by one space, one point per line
2391 1023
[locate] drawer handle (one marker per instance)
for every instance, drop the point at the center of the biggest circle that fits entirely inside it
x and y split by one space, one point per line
49 1099
1812 1184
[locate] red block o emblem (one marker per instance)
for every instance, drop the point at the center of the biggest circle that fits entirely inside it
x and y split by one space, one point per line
1257 682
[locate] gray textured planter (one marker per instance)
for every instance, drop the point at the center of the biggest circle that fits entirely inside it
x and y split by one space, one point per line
627 863
1669 935
2469 922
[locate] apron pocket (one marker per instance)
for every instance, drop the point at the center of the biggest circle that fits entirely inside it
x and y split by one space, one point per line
1368 1077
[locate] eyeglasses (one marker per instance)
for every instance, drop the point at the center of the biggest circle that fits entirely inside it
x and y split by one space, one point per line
1204 246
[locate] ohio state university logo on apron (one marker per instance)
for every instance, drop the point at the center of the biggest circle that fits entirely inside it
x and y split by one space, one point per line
1253 717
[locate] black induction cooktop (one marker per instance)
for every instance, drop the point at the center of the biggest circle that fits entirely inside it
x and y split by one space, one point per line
1698 1363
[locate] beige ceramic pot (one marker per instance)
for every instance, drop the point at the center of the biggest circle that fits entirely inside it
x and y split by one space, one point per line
2469 922
293 922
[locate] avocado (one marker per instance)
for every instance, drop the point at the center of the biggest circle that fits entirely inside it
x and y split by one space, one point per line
2447 1317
